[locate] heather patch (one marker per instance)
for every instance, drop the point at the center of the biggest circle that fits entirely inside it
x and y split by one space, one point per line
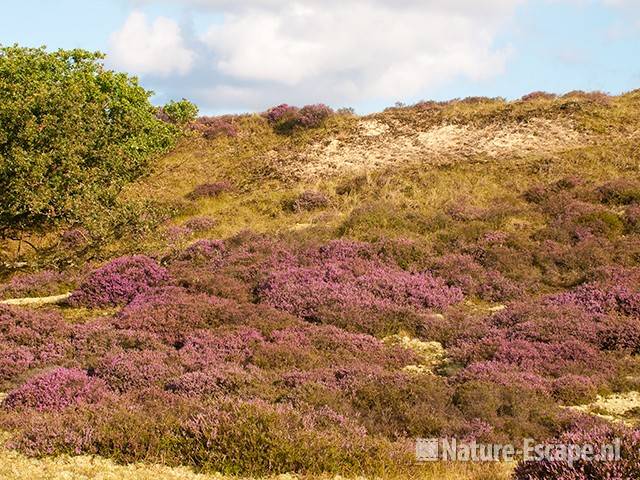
56 390
119 281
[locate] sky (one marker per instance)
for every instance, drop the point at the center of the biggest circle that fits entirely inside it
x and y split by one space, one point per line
247 55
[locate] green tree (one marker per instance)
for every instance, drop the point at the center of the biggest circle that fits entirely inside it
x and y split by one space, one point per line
72 133
181 112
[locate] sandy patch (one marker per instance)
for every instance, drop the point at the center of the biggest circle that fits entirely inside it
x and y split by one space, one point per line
621 407
375 144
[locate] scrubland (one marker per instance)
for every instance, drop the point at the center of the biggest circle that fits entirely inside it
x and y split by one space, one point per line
306 292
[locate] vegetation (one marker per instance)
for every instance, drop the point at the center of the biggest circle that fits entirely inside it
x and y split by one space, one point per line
465 269
71 134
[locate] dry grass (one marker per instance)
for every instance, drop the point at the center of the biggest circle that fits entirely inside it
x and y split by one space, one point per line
14 466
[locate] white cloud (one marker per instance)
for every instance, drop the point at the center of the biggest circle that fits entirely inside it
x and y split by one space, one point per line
155 48
345 52
355 49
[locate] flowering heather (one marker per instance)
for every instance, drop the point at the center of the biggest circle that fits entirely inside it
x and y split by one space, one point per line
176 233
214 127
279 113
119 281
620 192
31 328
91 341
632 218
210 190
57 389
504 374
304 291
170 313
312 116
203 250
464 272
626 468
136 369
36 284
200 224
14 361
217 380
598 298
574 389
286 117
310 200
549 322
204 349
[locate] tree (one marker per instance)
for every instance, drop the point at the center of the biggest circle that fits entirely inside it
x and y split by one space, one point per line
72 133
180 113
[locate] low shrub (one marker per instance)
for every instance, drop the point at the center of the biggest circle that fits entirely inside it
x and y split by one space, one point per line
538 95
309 200
215 127
119 281
312 116
210 190
574 389
56 390
39 284
171 313
15 361
132 370
628 466
284 118
200 224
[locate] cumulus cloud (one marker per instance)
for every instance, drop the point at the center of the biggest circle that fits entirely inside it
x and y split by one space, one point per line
344 52
154 48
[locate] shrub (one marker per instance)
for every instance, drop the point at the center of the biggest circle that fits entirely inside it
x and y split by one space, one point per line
632 218
15 361
514 413
216 381
75 238
56 390
171 313
72 135
180 112
280 113
209 251
210 190
285 118
597 97
538 96
399 404
599 435
119 281
137 369
35 329
505 375
574 389
36 284
601 298
620 192
303 291
215 127
200 224
310 200
312 116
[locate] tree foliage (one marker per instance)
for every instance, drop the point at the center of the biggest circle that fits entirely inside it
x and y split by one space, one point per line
180 112
72 133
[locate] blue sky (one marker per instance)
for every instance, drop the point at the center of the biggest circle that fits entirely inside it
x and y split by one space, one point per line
231 56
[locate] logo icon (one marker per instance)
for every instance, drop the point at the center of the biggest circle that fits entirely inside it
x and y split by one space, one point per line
427 449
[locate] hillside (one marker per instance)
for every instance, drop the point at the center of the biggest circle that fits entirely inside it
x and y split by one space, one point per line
311 300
